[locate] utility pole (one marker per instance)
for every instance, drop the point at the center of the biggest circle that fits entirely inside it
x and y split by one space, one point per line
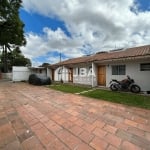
60 57
61 80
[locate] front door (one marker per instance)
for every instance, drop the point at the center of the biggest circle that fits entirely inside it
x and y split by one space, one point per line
102 75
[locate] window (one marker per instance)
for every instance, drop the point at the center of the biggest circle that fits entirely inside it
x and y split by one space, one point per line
118 70
145 67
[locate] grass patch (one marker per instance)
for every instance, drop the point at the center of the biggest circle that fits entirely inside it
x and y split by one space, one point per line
68 88
129 99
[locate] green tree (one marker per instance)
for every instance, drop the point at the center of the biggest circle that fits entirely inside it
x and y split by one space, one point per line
18 59
14 58
11 28
45 65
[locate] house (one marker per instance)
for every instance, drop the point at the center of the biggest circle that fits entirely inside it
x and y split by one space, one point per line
100 68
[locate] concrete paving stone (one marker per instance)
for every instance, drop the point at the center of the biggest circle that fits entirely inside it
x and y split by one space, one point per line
88 127
67 124
32 143
57 145
140 120
7 134
145 128
36 117
147 135
110 129
110 147
122 126
3 120
131 123
136 131
113 140
99 132
2 113
127 145
53 127
86 136
99 124
15 145
79 122
76 130
12 116
141 142
98 143
72 141
47 139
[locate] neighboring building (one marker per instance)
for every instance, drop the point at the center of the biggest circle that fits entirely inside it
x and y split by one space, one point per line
22 73
100 68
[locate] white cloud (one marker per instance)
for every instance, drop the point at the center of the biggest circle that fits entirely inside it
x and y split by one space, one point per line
100 24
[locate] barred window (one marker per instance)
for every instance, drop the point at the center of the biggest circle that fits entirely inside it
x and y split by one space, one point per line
145 67
118 70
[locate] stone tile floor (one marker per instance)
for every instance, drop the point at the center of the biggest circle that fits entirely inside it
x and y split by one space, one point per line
38 118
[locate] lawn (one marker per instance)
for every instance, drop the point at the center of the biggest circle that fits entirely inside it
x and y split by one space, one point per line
68 88
129 99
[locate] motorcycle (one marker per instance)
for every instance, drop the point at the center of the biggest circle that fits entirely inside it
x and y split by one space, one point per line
125 85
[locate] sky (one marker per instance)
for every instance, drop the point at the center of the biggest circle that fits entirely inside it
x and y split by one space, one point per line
77 28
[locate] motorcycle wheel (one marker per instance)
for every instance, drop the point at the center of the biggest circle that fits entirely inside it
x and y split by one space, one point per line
113 87
135 89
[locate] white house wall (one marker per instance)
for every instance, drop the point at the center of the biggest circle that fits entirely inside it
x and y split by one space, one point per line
49 73
61 75
132 69
87 78
142 78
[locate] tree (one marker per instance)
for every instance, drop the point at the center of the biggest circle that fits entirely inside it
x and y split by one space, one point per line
45 65
14 58
11 28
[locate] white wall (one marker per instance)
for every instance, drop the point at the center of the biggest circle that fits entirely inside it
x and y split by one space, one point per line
49 73
62 75
77 78
142 78
20 73
88 79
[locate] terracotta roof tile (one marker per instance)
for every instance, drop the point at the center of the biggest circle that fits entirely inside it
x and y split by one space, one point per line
109 55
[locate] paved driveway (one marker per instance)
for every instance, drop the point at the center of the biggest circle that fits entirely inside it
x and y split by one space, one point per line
37 118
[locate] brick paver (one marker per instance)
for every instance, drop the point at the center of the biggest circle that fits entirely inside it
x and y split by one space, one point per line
38 118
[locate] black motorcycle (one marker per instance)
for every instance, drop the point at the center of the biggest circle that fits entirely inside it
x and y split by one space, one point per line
125 85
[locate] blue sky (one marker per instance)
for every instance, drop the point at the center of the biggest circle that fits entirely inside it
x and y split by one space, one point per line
79 29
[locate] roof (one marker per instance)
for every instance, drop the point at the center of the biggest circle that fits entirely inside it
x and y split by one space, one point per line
124 53
134 52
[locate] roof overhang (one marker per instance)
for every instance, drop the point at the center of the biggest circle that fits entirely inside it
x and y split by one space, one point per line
125 59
